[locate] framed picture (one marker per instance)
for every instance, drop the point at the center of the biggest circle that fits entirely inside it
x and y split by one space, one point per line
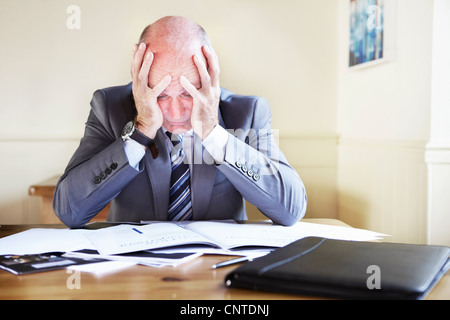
371 30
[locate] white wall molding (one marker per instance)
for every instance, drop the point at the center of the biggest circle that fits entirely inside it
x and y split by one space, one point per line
395 144
437 152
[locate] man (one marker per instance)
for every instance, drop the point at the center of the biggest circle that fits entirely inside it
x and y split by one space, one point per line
131 154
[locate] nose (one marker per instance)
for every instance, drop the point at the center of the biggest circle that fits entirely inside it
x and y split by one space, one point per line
176 109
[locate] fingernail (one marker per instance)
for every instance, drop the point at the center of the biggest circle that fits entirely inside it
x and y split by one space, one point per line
141 45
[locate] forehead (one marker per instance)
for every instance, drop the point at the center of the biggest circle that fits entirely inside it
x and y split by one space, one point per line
175 67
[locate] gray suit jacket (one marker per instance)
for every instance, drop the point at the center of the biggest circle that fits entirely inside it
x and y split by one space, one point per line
254 168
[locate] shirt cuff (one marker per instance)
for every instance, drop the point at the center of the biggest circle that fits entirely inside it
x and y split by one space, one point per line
134 151
216 143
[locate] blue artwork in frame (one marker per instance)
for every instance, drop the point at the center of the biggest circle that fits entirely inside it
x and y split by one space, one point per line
367 43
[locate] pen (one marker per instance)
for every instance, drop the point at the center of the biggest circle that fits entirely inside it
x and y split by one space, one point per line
134 229
230 262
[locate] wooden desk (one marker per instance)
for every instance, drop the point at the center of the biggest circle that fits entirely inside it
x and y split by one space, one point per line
194 280
45 191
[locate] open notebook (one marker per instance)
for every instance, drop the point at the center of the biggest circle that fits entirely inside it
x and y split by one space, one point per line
216 234
224 235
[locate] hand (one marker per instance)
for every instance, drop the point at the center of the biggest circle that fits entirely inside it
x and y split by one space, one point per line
206 99
149 116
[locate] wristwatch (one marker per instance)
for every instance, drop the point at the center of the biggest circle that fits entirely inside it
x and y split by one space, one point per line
131 132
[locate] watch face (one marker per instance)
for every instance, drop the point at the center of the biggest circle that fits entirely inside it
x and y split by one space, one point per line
128 129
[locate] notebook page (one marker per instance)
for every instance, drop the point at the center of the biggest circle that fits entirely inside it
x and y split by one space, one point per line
129 238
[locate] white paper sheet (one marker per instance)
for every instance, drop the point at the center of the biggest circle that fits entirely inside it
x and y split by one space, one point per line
160 259
41 240
233 235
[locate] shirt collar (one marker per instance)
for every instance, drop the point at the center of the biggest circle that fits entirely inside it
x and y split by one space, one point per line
187 133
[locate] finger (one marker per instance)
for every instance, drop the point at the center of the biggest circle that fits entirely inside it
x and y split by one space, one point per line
137 60
135 46
189 87
213 64
204 75
145 68
162 85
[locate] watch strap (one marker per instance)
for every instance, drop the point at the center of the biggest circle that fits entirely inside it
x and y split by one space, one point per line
141 138
145 141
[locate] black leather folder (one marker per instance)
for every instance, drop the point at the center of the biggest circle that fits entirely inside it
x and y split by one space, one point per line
345 269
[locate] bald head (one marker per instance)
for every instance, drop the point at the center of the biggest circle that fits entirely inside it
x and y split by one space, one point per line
173 40
174 33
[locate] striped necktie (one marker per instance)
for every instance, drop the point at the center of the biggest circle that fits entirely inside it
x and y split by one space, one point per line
180 207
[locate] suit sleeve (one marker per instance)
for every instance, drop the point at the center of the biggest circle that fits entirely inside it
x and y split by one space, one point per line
260 172
97 171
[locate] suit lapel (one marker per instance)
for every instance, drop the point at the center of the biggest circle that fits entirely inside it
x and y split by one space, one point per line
159 171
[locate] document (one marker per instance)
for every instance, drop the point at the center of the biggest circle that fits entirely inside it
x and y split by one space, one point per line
147 258
222 236
128 238
225 235
42 240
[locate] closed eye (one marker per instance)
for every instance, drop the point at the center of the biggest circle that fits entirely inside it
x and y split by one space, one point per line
162 97
186 95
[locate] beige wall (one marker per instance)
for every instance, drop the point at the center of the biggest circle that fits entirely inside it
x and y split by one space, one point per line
282 50
389 101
